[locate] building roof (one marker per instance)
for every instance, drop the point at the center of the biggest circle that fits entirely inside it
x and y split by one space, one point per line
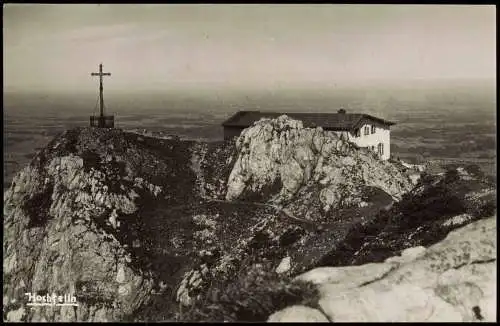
329 121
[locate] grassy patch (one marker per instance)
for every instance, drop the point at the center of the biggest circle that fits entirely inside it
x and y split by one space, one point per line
90 160
252 296
38 206
91 294
416 220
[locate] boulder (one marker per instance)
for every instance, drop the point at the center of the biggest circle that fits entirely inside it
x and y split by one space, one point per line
298 313
284 265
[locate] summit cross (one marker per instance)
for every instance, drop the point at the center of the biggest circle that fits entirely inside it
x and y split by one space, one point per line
101 98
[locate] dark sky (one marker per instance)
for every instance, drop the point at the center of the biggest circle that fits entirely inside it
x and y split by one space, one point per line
56 47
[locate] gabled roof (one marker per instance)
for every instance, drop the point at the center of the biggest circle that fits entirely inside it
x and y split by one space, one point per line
329 121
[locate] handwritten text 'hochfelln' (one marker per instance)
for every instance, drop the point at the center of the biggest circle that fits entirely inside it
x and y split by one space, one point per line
51 300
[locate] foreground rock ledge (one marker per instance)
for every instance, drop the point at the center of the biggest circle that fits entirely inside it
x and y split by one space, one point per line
451 281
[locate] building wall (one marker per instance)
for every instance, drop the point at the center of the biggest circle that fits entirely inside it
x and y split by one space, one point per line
230 132
382 135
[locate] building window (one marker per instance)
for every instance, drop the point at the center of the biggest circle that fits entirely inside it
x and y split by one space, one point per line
373 129
380 149
367 130
357 133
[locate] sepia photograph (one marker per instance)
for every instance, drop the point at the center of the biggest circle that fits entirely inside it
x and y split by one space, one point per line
249 163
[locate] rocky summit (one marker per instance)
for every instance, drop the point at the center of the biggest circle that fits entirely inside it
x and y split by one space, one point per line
141 227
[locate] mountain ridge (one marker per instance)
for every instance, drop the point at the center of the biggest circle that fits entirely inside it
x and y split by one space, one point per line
137 225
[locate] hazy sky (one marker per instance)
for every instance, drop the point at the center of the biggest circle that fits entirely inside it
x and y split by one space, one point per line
56 47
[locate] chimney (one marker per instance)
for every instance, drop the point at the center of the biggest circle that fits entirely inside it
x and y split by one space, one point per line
341 111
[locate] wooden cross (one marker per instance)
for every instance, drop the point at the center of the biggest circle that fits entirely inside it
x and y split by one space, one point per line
101 74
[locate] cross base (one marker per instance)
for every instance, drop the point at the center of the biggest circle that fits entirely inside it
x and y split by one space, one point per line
105 121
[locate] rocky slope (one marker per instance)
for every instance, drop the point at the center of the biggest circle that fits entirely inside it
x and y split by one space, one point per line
422 218
451 281
138 226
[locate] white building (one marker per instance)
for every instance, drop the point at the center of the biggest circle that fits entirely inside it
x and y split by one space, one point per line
369 132
362 129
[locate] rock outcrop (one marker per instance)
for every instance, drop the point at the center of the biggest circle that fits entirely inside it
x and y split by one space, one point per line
311 171
451 281
77 221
